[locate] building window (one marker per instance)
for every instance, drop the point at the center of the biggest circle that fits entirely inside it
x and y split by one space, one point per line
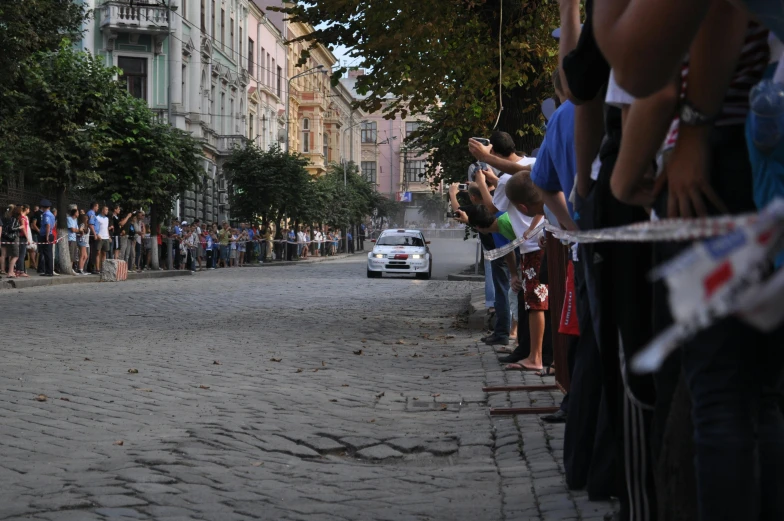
231 116
262 74
251 68
212 12
184 94
223 28
185 10
412 126
415 171
272 72
251 117
369 171
326 147
280 73
269 71
212 104
223 113
369 132
134 75
239 47
306 135
203 15
231 37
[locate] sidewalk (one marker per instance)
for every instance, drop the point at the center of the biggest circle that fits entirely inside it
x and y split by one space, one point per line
36 281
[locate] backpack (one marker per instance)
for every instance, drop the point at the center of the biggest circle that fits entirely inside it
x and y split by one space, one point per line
10 229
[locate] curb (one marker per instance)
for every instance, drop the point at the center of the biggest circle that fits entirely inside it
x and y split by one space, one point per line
37 282
461 277
476 311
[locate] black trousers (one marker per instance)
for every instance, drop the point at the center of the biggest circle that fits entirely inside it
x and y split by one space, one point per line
46 260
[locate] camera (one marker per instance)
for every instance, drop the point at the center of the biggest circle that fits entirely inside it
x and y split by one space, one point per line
482 140
462 187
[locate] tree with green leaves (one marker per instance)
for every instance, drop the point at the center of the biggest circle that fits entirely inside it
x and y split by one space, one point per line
63 100
268 184
28 27
147 164
433 208
442 59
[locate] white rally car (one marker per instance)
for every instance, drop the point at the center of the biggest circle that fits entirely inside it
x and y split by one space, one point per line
400 251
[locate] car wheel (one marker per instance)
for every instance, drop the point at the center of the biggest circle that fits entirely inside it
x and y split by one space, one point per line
373 274
426 276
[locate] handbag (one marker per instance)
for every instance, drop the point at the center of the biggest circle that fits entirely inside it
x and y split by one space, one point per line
569 324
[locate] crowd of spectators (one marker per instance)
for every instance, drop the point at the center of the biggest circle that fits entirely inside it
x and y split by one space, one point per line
102 232
654 119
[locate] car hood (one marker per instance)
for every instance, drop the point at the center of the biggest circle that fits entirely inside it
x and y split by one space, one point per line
399 249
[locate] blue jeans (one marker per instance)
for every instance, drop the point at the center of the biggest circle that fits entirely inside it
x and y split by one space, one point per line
734 374
489 289
501 287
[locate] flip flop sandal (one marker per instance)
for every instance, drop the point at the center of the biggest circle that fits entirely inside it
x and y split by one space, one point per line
520 367
547 371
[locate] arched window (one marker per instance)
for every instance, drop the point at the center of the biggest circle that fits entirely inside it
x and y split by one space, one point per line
305 135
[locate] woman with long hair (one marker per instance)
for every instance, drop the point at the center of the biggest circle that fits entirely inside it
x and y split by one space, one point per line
25 239
10 238
83 241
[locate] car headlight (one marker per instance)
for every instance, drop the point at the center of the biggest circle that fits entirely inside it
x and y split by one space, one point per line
417 256
378 255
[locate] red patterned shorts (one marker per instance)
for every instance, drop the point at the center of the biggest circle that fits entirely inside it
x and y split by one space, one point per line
534 293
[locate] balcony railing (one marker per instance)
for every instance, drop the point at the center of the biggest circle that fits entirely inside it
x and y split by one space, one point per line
227 143
139 16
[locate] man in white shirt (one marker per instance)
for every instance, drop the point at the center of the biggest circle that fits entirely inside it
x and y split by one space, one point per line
103 243
535 299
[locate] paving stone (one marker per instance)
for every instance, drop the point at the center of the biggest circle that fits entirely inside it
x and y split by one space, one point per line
118 501
379 452
117 513
442 448
358 443
407 445
323 445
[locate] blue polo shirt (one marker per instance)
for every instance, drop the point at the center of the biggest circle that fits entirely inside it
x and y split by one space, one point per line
250 234
47 218
556 163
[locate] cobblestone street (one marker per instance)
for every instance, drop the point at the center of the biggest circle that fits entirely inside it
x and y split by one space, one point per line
290 393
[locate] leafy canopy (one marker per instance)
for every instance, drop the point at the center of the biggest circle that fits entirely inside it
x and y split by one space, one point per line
442 59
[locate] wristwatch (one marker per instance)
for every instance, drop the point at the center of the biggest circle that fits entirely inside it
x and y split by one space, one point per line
691 115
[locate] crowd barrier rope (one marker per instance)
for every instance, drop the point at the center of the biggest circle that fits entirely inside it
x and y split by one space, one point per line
727 271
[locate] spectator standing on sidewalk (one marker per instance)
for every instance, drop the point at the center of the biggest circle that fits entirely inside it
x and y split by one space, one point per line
119 237
224 239
12 228
93 236
104 241
45 239
73 230
83 239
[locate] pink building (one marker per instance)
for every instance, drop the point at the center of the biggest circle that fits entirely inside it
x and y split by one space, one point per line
396 170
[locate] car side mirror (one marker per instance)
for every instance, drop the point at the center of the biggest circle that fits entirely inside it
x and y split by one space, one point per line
427 242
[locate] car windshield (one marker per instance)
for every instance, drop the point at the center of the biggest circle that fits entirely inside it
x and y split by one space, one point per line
400 240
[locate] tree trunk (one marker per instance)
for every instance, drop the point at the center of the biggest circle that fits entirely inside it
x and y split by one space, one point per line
62 255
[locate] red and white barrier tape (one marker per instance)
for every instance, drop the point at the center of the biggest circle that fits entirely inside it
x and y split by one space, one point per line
36 242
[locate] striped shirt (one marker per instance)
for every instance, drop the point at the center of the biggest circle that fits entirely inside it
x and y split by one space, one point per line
752 63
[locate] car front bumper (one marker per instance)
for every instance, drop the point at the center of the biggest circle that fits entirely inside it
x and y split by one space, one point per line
399 266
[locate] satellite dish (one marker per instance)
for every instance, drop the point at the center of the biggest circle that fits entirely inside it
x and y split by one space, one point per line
548 107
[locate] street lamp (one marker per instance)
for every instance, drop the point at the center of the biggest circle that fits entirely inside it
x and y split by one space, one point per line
315 70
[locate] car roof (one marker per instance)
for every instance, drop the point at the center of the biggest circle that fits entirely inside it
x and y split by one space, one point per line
401 232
